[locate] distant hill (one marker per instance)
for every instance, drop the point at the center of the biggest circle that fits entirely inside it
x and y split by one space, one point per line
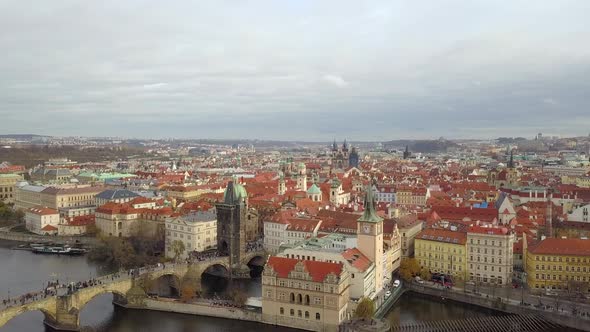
33 155
424 146
22 137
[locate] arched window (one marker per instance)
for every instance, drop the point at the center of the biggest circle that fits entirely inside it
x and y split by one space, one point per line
299 299
282 311
317 316
307 314
306 299
298 313
292 297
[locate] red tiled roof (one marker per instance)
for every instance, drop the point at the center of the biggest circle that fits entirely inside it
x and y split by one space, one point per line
443 235
556 246
49 228
487 230
356 258
452 213
318 270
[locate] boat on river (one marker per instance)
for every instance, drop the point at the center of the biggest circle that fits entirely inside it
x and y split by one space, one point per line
58 250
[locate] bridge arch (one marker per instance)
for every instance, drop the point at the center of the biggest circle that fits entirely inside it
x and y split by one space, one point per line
214 279
256 265
85 298
9 314
164 285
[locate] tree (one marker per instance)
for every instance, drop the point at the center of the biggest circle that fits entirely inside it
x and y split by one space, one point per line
365 309
187 292
409 268
177 248
239 297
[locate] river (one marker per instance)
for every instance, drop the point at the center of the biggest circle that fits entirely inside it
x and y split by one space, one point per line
23 271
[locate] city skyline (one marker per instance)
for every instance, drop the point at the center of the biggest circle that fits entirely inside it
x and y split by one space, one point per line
301 71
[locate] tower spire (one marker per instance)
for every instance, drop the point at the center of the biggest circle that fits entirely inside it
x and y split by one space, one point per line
511 162
370 213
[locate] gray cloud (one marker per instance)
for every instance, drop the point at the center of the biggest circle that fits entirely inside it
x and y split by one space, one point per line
294 70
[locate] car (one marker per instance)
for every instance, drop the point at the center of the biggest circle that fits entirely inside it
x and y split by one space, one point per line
419 280
387 294
396 283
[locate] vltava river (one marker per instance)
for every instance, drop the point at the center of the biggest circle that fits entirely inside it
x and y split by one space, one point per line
23 271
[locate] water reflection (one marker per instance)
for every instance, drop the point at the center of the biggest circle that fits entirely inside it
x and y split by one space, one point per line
413 307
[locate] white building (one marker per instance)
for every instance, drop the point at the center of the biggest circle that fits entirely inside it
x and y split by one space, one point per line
288 228
580 214
385 193
359 266
490 254
198 232
42 220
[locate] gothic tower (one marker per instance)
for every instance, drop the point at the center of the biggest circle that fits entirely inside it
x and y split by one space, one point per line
302 177
282 185
370 236
231 223
353 158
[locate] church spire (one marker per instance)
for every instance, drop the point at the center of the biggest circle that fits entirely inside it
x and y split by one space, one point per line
370 213
511 162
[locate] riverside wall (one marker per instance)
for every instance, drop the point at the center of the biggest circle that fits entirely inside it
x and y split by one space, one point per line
202 309
33 238
496 304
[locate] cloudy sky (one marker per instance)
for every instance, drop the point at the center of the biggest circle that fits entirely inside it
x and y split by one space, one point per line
295 69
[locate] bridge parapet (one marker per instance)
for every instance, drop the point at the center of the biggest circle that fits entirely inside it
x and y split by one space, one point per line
62 312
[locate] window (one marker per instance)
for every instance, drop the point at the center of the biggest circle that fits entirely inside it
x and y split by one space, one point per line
306 299
292 298
317 316
306 314
282 311
292 312
299 313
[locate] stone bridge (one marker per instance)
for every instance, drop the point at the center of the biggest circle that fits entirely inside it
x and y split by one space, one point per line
62 312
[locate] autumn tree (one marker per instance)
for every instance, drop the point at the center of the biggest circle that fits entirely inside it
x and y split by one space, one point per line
187 292
409 267
178 248
365 309
238 296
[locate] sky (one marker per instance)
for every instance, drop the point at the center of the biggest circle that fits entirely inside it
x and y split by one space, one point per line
304 70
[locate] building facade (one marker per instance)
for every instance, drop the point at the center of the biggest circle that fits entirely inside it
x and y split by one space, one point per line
197 231
490 254
442 251
8 187
42 220
309 295
556 263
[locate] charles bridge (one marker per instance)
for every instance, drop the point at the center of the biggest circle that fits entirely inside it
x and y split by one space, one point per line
129 290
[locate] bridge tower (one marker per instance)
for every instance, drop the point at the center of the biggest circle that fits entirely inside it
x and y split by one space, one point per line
231 223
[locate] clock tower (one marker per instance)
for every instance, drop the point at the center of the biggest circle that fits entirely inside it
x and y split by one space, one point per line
370 236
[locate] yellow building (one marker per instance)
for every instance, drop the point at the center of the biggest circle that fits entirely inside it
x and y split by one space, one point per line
8 187
556 263
305 294
442 251
57 198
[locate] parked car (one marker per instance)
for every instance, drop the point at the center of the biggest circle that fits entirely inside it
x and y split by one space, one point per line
419 280
387 294
550 292
396 283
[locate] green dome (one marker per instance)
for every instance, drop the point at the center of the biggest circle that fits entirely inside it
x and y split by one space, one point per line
314 190
234 193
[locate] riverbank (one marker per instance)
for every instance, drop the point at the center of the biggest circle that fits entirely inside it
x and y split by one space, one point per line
502 305
33 238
